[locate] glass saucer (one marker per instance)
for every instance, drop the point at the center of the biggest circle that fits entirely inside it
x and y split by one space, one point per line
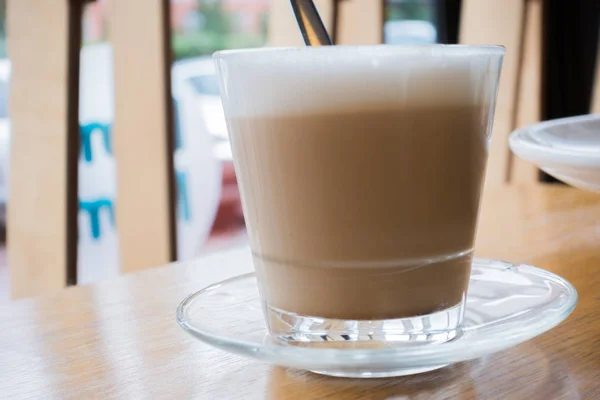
506 305
566 148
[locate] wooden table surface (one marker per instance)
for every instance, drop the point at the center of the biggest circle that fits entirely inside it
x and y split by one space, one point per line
119 339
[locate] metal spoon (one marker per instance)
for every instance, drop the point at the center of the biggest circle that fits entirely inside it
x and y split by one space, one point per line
310 23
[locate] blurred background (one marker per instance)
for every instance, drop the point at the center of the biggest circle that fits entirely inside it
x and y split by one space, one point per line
209 215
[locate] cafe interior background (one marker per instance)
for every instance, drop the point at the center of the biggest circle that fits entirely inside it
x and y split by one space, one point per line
551 60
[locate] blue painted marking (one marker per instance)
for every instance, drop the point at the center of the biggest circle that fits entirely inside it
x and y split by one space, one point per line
92 208
178 136
86 131
183 203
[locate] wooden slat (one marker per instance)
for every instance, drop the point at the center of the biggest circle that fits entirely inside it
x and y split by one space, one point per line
360 22
595 106
529 94
44 41
498 22
143 131
283 30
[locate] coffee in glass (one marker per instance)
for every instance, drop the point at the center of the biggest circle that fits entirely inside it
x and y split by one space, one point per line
360 171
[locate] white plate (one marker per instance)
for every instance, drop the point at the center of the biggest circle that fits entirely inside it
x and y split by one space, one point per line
506 305
567 148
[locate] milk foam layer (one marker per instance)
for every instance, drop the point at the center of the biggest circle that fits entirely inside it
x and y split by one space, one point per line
299 81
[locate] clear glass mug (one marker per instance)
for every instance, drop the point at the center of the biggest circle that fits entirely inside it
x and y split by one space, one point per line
360 171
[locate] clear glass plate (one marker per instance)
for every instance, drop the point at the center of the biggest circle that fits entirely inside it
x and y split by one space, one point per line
506 305
567 148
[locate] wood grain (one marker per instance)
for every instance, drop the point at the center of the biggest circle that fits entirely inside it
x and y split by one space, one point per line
143 132
44 41
498 22
119 339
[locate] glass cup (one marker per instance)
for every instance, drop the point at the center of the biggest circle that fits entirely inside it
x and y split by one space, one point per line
360 171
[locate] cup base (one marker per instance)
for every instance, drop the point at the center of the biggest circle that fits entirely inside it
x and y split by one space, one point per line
305 331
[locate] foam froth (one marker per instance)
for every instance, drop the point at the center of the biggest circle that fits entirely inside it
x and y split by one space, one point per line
297 81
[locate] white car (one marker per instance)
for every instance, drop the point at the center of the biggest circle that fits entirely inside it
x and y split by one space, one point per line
4 135
199 74
409 32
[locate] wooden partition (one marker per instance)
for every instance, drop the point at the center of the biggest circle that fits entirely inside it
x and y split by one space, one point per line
359 22
595 107
44 38
498 22
529 90
143 132
517 25
44 45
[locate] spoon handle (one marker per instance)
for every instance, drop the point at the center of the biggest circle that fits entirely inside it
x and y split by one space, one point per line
310 23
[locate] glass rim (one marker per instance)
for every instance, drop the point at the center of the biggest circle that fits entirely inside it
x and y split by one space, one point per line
390 49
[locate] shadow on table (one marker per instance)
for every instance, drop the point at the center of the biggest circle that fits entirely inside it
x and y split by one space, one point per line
287 383
523 372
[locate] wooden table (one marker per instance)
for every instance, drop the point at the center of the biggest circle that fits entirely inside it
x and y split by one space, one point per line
119 339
